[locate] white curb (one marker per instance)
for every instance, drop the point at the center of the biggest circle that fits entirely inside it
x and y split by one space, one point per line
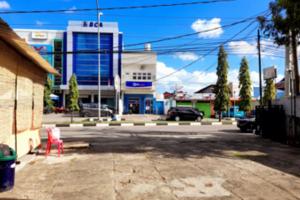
195 124
173 124
102 125
127 124
216 123
150 124
76 125
48 125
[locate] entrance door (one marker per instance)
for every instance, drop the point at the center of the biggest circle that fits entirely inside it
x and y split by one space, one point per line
134 106
148 106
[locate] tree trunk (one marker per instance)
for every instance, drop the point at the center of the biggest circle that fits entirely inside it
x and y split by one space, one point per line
220 116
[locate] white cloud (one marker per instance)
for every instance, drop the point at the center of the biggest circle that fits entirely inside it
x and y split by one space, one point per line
187 56
39 23
71 10
202 25
193 81
4 5
242 48
268 48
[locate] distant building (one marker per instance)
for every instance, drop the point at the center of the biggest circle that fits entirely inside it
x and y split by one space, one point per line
256 94
138 83
78 37
168 95
74 51
23 74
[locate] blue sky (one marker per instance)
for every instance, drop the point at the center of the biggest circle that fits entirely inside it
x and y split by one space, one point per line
141 25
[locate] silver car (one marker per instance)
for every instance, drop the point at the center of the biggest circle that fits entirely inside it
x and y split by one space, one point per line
91 110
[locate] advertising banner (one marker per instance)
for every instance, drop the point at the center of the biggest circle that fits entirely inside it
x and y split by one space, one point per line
135 84
45 51
270 73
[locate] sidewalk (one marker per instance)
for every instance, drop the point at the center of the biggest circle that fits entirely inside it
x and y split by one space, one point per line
66 118
60 120
184 163
53 118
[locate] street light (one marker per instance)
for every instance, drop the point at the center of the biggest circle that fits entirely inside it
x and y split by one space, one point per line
99 56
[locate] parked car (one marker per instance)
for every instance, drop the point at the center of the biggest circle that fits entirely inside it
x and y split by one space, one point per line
246 124
234 112
60 110
185 113
91 110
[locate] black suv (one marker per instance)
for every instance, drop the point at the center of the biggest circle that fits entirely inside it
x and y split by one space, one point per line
185 113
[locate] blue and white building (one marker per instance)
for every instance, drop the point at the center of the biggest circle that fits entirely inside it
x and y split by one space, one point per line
66 50
138 82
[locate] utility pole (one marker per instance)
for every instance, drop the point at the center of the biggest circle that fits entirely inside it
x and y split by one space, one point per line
259 67
99 57
296 79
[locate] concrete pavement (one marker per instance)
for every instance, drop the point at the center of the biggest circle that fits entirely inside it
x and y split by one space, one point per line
208 162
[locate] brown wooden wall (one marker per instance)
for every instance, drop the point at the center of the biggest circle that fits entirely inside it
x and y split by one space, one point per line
30 80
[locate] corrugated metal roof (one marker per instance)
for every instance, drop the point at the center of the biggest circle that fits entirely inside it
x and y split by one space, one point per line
10 37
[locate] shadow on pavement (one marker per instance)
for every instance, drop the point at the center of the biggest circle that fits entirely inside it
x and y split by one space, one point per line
169 144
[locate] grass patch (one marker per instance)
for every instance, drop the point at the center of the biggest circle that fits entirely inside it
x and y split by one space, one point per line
185 123
139 124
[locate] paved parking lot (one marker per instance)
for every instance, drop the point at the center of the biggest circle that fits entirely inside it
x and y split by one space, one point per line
185 162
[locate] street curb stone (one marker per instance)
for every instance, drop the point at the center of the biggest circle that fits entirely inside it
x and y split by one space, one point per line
126 124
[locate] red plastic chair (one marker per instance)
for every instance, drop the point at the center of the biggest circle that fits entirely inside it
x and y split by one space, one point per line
52 140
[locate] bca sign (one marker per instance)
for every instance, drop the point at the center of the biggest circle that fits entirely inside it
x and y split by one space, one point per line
91 24
270 73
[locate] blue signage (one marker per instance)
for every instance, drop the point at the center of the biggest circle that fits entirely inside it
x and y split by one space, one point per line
91 24
135 84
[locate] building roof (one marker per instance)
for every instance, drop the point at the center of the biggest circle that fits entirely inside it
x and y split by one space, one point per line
137 52
280 84
207 89
11 38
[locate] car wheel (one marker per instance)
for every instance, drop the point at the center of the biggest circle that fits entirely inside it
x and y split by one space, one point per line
177 118
199 119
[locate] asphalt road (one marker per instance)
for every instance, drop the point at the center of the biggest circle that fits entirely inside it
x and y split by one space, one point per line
162 131
180 162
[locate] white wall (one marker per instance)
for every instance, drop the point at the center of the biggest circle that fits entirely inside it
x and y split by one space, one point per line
138 62
286 102
51 35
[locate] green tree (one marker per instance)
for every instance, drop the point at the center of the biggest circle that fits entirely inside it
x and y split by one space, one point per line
245 86
48 103
269 92
73 95
284 27
221 89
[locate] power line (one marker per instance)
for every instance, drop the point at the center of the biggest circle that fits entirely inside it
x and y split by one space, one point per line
197 32
160 49
190 34
200 58
186 35
114 8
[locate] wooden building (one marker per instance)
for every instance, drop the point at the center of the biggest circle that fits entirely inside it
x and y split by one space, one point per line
22 76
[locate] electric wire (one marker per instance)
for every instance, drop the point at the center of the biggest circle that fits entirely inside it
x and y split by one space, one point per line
113 8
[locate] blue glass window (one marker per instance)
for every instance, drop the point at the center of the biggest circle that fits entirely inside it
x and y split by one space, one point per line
85 66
